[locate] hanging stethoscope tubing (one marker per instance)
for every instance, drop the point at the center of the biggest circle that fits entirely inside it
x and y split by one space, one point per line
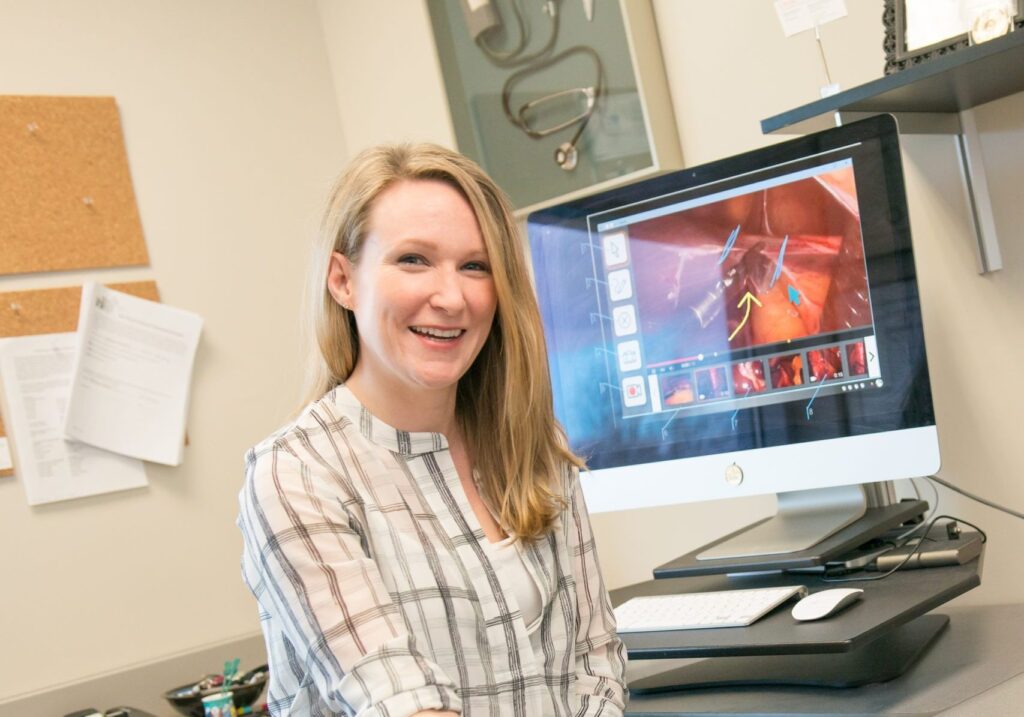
567 154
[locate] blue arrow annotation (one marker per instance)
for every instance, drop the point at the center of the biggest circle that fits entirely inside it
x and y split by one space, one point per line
735 421
794 296
809 410
729 243
595 316
664 429
778 262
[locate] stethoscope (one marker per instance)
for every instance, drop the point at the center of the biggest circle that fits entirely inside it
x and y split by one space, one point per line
567 153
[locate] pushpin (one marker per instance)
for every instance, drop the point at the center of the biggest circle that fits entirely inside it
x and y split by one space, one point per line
32 127
16 308
87 201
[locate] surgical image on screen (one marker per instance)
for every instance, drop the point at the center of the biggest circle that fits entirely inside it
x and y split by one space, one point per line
794 249
736 294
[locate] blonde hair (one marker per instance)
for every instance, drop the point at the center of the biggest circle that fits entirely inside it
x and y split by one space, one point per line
503 402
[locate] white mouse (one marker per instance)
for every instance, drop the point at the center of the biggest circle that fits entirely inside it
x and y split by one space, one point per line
825 603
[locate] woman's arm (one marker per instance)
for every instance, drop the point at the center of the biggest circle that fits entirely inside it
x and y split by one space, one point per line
306 562
600 654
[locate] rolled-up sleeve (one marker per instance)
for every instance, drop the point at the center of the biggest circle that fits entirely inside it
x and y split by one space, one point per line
600 654
306 560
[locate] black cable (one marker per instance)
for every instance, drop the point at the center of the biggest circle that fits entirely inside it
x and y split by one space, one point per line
979 499
917 548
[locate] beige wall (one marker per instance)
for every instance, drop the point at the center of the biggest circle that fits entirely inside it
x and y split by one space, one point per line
233 134
237 114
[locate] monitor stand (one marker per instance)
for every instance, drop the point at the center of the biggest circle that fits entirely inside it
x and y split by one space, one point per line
804 519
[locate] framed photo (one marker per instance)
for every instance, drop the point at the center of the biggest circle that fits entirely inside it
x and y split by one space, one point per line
919 30
556 99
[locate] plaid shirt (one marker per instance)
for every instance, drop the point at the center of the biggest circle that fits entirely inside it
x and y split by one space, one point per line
377 598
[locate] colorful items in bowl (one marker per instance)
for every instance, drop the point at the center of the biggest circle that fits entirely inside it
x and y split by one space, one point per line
245 690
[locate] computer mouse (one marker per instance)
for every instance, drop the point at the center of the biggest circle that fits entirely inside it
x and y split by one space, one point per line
825 603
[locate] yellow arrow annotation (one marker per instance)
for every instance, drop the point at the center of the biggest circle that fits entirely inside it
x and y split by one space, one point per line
747 298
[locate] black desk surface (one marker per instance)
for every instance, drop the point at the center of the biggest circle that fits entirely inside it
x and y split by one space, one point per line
886 604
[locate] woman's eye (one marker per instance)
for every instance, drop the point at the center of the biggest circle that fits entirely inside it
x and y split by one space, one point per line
411 259
477 266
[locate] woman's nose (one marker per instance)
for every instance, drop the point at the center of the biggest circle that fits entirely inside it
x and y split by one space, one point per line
447 292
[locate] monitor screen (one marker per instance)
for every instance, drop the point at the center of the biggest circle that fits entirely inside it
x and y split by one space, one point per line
747 326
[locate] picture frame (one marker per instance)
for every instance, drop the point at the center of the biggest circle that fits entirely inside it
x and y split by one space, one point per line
556 100
908 42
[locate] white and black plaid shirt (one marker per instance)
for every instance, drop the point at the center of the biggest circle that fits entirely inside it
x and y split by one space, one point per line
377 597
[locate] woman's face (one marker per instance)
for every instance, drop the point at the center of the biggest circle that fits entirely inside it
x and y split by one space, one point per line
422 291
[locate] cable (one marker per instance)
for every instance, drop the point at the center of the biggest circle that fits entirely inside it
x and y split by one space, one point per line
917 548
934 505
983 501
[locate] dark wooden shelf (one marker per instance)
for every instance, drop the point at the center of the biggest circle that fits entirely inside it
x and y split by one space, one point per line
947 84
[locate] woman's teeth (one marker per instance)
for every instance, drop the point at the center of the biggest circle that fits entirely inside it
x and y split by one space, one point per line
437 333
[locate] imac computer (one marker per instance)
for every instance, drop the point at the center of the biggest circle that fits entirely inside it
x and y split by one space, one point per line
748 326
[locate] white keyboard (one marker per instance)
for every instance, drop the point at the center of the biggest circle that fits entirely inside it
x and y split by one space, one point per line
692 611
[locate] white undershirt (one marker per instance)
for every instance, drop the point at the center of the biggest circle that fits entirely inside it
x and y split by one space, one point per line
514 576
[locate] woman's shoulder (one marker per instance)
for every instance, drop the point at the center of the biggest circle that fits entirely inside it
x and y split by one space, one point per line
310 433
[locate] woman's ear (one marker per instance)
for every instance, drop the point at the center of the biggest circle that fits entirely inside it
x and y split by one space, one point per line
339 280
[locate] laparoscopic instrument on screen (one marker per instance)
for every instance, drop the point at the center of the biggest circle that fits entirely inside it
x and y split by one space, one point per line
484 24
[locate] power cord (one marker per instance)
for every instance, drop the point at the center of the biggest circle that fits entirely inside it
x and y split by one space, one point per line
934 504
979 499
917 548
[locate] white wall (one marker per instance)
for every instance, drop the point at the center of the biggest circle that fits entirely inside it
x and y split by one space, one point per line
233 136
728 67
234 117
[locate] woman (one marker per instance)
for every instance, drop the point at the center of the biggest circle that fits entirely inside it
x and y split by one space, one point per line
416 538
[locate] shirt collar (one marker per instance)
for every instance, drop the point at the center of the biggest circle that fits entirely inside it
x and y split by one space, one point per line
376 431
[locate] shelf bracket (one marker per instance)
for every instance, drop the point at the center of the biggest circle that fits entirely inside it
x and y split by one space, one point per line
963 128
975 182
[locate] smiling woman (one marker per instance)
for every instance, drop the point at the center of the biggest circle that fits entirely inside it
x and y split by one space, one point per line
416 537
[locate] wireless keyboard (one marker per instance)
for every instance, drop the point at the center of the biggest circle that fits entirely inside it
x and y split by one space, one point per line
692 611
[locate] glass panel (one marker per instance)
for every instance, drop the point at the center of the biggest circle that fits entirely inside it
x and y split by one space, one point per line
548 98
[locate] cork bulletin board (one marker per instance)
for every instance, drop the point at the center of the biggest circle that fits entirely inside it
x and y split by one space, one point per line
67 199
52 311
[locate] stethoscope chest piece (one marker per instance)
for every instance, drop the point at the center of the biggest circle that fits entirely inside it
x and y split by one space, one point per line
566 156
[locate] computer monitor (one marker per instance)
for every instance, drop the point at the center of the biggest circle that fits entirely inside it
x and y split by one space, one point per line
743 327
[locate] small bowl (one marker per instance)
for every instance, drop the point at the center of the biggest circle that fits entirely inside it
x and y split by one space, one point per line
188 699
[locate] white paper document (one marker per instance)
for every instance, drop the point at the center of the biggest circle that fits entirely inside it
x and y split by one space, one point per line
36 373
130 389
801 15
